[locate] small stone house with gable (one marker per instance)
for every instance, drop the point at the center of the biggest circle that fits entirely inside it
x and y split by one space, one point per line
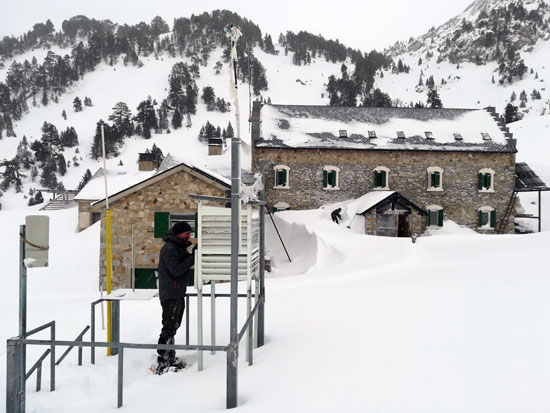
449 163
145 207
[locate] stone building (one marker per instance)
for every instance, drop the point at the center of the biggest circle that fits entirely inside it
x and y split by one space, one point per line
146 207
451 163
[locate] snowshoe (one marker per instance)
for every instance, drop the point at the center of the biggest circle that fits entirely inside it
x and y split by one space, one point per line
162 367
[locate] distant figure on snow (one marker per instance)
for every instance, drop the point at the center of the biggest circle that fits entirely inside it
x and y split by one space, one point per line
335 215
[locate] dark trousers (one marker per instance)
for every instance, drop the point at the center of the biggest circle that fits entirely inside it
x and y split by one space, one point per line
172 314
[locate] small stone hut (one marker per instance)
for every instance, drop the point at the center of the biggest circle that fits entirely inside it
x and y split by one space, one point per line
147 209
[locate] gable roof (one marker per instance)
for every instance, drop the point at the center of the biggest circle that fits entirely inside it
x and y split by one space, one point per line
301 126
372 199
147 180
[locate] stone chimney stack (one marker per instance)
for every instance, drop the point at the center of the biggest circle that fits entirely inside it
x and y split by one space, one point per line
147 162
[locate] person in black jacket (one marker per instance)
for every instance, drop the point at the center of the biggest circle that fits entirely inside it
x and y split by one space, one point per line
174 263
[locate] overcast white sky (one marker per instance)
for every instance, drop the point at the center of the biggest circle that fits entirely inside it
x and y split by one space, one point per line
366 24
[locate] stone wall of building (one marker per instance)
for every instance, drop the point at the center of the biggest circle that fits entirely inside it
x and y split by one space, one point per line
460 197
138 210
416 220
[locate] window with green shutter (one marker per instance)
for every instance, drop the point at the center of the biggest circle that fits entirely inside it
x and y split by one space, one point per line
281 177
435 217
485 179
440 218
493 219
325 179
487 218
162 223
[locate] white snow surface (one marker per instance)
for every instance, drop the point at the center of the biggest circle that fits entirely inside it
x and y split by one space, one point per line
470 125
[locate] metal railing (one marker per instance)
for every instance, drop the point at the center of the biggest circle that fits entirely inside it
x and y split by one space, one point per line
16 347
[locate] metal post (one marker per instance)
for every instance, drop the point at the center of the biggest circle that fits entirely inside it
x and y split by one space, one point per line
120 352
233 351
22 310
39 377
133 263
540 207
115 325
14 392
199 325
187 320
92 334
256 299
261 308
213 314
250 327
52 358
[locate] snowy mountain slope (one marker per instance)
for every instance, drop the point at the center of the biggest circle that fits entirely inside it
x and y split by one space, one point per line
288 83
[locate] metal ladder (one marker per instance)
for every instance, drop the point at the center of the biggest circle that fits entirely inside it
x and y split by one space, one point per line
507 213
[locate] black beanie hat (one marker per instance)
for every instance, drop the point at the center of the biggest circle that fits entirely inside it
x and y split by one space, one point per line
181 227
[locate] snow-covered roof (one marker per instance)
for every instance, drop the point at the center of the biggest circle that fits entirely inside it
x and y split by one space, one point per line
94 190
370 199
293 126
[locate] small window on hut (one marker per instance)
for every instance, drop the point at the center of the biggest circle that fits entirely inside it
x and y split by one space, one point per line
487 218
485 180
343 133
485 136
435 216
281 176
435 178
330 178
372 134
401 134
458 137
381 178
429 135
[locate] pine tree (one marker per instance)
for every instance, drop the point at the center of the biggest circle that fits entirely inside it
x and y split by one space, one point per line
23 154
230 132
146 117
209 97
188 122
510 113
10 133
177 119
64 114
48 178
61 165
85 179
44 99
122 119
50 138
434 100
77 104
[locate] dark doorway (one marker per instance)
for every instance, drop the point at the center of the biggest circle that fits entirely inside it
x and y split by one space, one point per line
403 227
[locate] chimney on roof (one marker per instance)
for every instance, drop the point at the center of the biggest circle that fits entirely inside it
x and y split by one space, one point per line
491 109
147 162
215 146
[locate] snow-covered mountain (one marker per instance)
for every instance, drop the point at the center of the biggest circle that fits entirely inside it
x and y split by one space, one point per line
297 70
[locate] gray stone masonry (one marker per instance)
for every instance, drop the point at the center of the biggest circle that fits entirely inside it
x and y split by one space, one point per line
460 197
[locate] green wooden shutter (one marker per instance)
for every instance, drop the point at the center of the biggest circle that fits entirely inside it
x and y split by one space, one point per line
162 223
436 179
488 181
440 218
480 218
480 181
284 183
493 219
325 179
383 179
333 178
375 183
429 217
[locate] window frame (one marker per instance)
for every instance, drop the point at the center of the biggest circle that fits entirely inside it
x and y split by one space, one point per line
378 170
286 169
432 170
491 218
440 216
326 172
482 180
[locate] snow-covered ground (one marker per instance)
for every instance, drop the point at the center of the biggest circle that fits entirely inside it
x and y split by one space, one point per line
355 323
